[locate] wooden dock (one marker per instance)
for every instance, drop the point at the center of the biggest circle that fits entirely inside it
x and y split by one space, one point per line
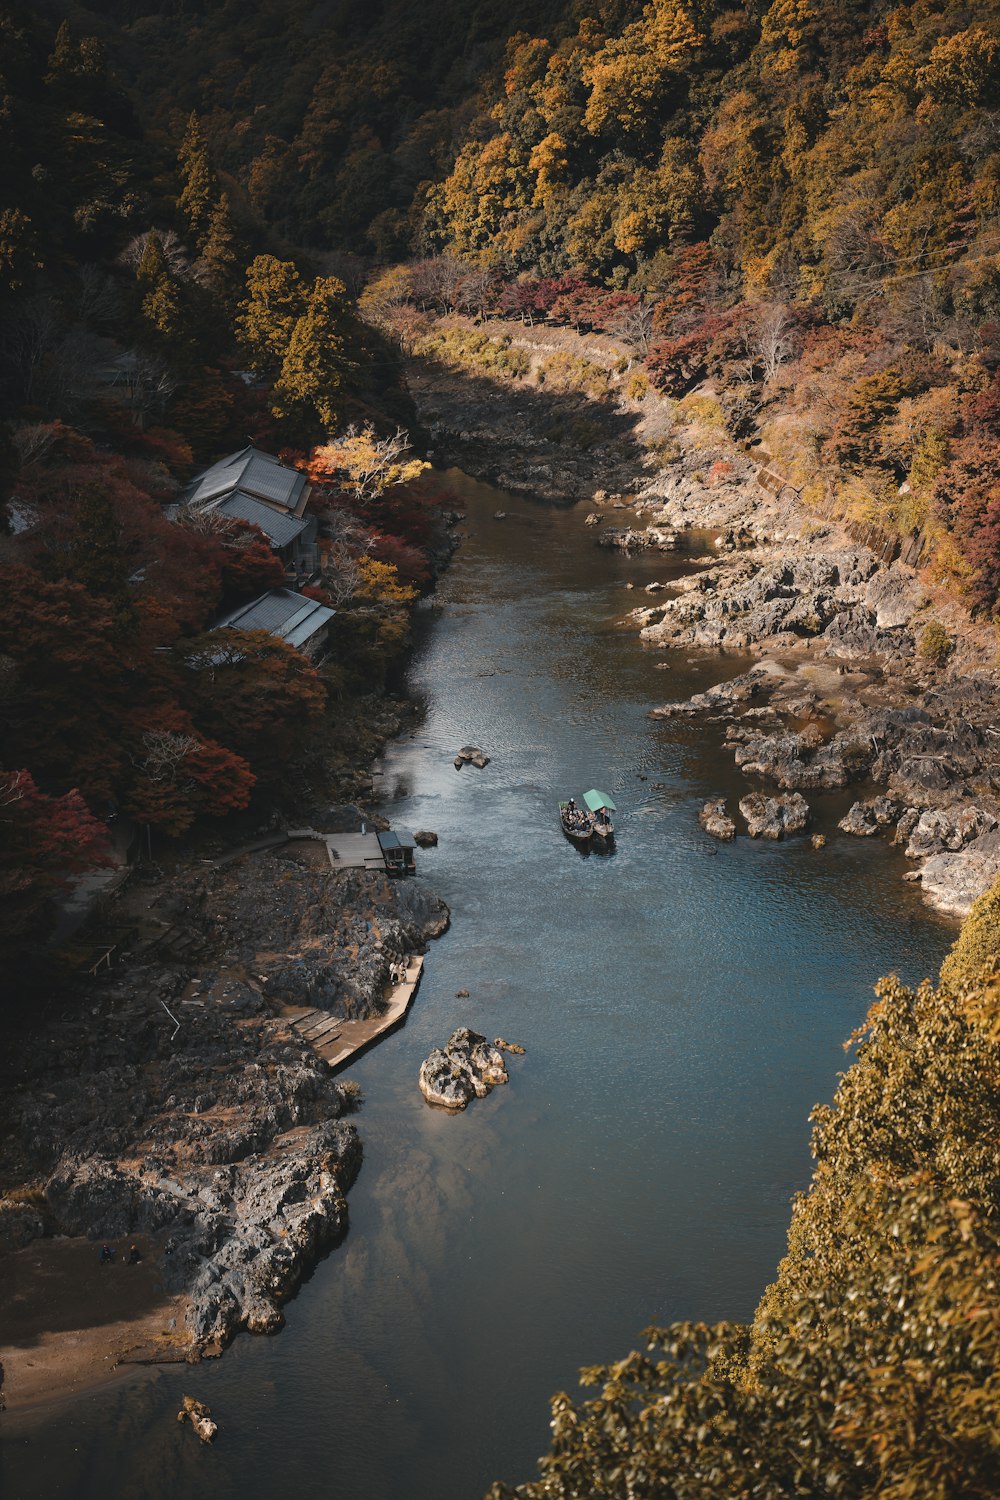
345 851
339 1041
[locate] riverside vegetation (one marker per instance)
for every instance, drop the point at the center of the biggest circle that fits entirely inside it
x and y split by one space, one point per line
871 1364
785 218
147 328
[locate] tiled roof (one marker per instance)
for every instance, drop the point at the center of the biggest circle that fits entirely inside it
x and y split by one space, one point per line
282 612
277 525
256 473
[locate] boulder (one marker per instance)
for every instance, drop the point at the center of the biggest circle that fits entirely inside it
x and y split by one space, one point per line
200 1417
773 817
467 1067
868 818
894 597
426 839
471 755
716 821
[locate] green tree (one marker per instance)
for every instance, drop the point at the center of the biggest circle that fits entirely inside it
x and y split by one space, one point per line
160 305
200 192
312 371
276 300
220 257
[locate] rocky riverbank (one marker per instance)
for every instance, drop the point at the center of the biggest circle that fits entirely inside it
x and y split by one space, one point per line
171 1104
843 695
852 688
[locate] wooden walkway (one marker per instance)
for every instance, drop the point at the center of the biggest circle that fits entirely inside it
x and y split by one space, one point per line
338 1041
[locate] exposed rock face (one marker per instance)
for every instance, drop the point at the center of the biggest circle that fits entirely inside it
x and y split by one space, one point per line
223 1135
953 881
753 597
773 817
716 821
939 830
467 1067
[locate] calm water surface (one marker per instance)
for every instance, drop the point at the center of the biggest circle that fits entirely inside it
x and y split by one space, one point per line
683 1005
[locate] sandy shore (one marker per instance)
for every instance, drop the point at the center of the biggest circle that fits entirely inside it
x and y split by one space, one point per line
68 1322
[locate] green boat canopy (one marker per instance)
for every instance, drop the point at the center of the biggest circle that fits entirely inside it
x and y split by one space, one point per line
595 800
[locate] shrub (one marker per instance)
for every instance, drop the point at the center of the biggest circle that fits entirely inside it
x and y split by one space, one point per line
703 409
976 951
935 644
571 372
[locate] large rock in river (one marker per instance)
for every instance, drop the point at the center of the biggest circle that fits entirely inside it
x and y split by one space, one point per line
716 821
467 1067
773 817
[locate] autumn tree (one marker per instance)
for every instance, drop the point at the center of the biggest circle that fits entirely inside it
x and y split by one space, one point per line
179 776
252 693
365 464
45 841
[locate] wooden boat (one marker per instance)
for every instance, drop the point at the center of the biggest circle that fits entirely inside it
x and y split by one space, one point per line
601 806
577 824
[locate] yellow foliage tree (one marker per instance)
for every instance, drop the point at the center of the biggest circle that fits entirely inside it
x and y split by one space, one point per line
364 463
627 77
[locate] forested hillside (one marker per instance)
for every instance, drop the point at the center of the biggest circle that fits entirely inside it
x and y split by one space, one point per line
148 327
804 200
788 214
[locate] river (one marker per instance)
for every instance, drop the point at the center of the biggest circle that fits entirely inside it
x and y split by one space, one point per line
683 1005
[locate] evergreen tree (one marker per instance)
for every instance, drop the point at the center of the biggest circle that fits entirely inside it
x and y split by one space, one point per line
97 557
312 371
200 192
220 255
276 300
160 308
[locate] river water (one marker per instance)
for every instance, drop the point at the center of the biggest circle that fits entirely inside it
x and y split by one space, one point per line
683 1005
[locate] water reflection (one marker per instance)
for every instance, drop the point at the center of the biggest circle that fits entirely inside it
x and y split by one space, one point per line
683 1005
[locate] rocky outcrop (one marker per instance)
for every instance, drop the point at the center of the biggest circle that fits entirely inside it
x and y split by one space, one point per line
870 817
200 1417
467 1067
716 821
774 817
953 881
185 1107
755 597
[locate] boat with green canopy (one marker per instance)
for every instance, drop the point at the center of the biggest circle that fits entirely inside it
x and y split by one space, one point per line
601 806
